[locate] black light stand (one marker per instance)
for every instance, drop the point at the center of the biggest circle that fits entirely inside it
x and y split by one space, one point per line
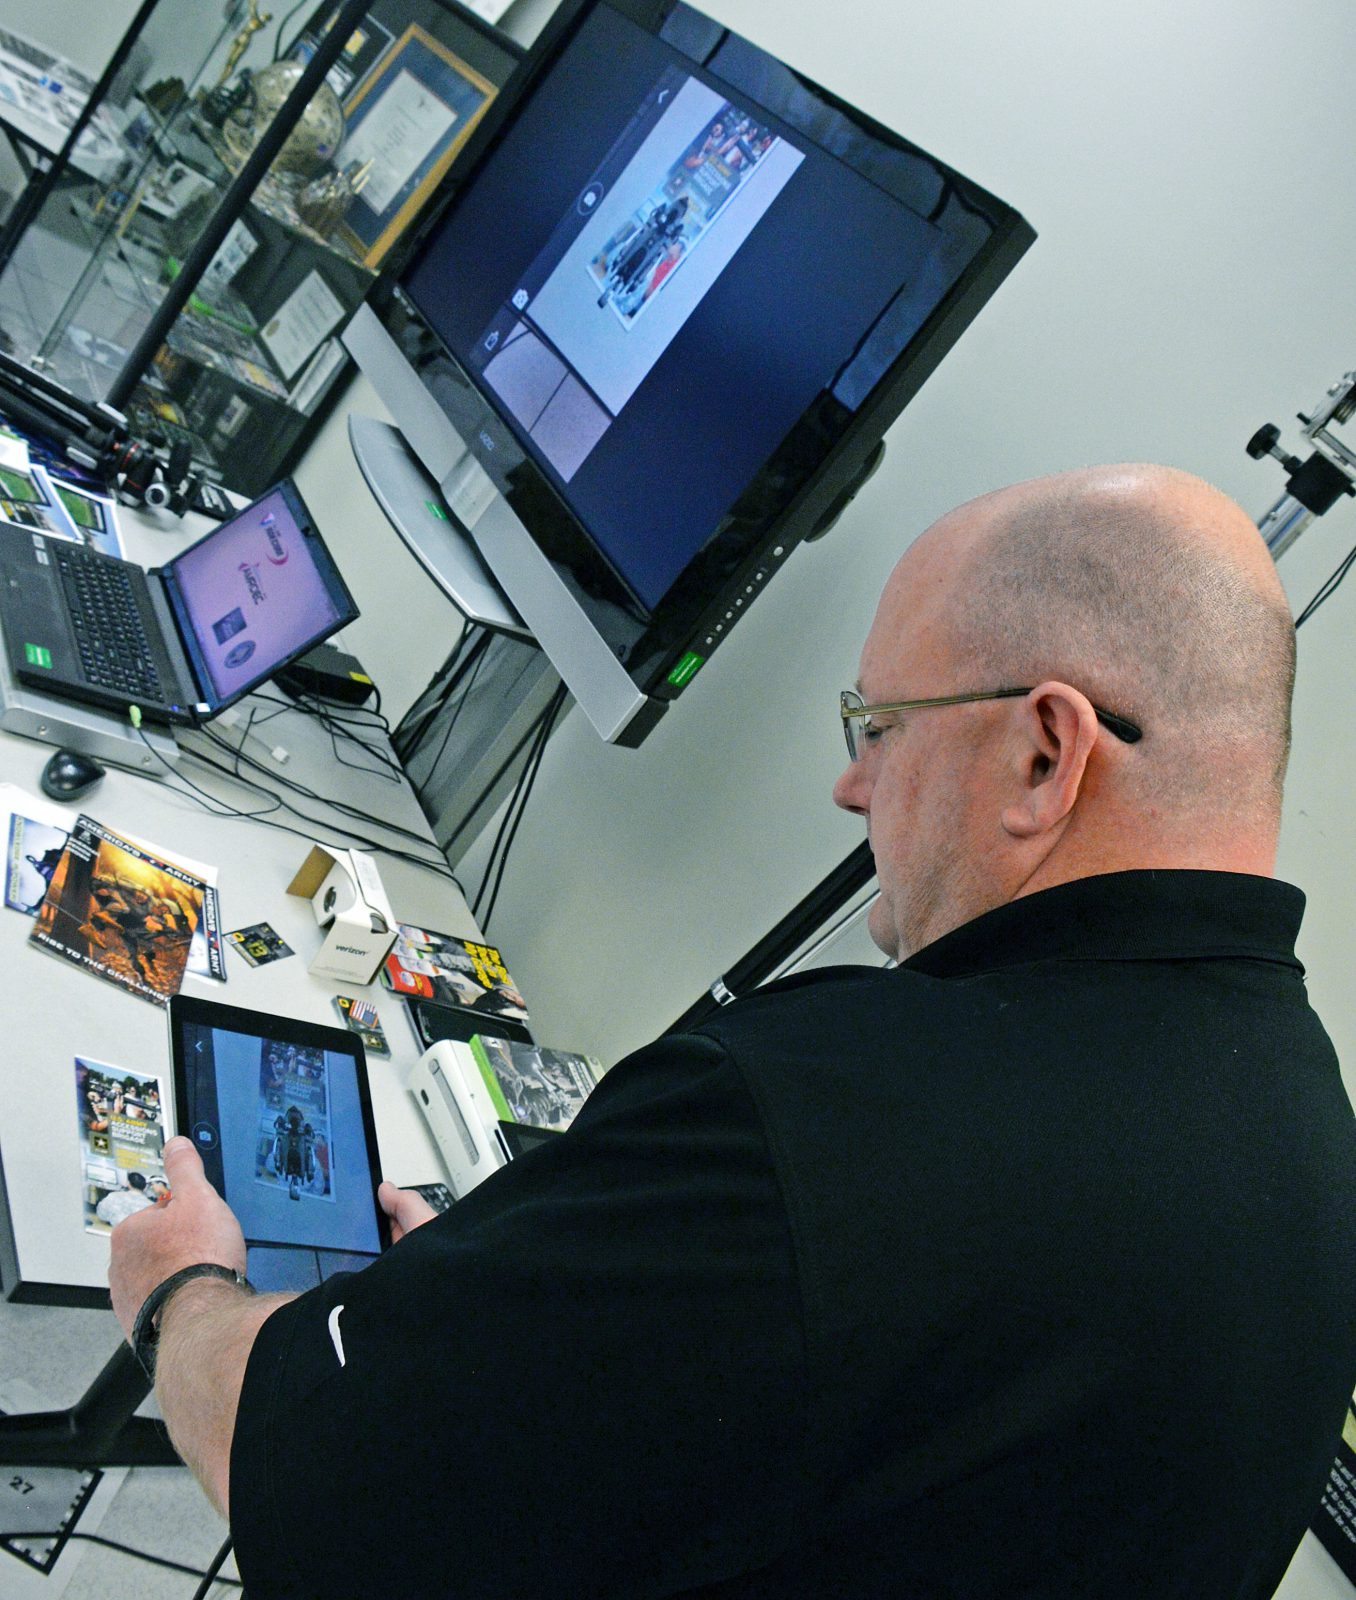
832 892
99 1430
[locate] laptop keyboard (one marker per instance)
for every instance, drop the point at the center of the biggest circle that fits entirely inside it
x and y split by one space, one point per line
114 650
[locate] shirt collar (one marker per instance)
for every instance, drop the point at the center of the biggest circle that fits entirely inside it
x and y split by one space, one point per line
1127 916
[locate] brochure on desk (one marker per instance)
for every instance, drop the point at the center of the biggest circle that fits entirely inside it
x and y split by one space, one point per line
120 912
121 1118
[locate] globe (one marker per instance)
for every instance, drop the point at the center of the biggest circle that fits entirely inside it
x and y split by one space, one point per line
315 140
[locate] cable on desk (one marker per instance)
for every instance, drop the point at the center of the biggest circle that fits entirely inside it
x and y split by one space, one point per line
210 1576
240 754
439 866
340 721
209 802
219 808
141 1555
518 805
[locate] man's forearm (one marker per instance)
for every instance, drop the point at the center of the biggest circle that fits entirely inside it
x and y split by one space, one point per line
206 1334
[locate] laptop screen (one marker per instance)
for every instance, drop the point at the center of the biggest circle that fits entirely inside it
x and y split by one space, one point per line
255 593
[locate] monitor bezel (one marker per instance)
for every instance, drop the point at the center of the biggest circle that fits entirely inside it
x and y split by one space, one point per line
807 479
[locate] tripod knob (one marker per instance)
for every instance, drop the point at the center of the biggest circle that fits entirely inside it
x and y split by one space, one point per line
1266 442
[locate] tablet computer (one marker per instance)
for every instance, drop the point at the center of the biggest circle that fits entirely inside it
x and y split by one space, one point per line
280 1113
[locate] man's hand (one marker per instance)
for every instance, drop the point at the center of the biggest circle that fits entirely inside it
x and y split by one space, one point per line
190 1224
406 1210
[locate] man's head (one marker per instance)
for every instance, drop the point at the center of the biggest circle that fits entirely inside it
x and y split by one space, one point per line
1138 590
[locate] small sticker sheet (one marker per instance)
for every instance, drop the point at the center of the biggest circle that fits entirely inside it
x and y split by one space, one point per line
259 944
360 1016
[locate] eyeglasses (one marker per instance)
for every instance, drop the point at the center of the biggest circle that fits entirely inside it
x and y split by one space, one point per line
855 727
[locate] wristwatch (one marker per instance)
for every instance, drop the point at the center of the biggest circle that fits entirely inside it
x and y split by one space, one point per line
146 1328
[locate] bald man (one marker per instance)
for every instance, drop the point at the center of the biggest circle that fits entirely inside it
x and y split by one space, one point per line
1023 1268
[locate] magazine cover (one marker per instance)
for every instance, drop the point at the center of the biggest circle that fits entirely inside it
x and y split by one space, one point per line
120 912
122 1133
293 1148
453 972
1335 1524
543 1088
669 223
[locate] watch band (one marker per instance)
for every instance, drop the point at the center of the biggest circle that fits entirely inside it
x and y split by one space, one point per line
146 1331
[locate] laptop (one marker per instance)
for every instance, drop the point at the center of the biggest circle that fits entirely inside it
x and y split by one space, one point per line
181 642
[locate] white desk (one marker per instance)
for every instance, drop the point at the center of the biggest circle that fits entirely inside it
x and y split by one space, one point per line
53 1011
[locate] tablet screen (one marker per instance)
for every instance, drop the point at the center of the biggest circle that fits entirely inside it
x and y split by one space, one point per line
280 1114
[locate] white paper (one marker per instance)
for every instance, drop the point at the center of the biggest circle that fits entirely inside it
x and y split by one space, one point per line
13 452
397 136
327 360
308 315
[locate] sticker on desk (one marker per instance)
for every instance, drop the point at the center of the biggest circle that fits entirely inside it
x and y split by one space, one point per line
360 1017
259 944
204 954
122 1133
35 848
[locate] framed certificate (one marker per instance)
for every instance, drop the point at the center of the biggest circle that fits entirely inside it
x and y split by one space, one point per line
408 119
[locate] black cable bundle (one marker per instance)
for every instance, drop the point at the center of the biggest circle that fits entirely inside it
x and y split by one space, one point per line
513 812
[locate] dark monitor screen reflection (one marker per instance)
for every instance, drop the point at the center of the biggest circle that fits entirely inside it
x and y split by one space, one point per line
669 307
280 1131
655 305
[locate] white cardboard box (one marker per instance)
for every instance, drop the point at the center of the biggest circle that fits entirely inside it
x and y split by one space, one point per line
347 896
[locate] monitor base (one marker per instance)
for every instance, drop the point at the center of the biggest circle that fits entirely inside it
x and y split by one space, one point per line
465 741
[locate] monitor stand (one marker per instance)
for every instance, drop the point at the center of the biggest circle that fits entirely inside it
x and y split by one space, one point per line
465 741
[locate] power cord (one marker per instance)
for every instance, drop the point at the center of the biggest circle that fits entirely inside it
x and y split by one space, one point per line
513 814
210 1576
1328 588
301 789
470 651
218 808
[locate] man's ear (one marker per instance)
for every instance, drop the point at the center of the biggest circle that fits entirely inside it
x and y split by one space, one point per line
1058 729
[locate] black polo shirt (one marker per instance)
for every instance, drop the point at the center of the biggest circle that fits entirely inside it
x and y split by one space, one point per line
1024 1269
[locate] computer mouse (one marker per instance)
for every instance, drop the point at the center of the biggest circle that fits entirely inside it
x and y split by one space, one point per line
70 776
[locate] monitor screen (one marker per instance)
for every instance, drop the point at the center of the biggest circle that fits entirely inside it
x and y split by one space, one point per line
670 305
255 593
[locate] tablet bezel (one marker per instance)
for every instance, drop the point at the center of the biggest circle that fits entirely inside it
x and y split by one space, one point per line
189 1009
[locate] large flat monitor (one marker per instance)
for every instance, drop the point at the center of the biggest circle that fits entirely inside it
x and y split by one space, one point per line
673 297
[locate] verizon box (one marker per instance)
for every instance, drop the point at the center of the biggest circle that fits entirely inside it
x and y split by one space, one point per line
346 894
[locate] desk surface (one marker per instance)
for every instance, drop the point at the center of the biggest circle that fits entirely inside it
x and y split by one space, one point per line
40 98
54 1012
